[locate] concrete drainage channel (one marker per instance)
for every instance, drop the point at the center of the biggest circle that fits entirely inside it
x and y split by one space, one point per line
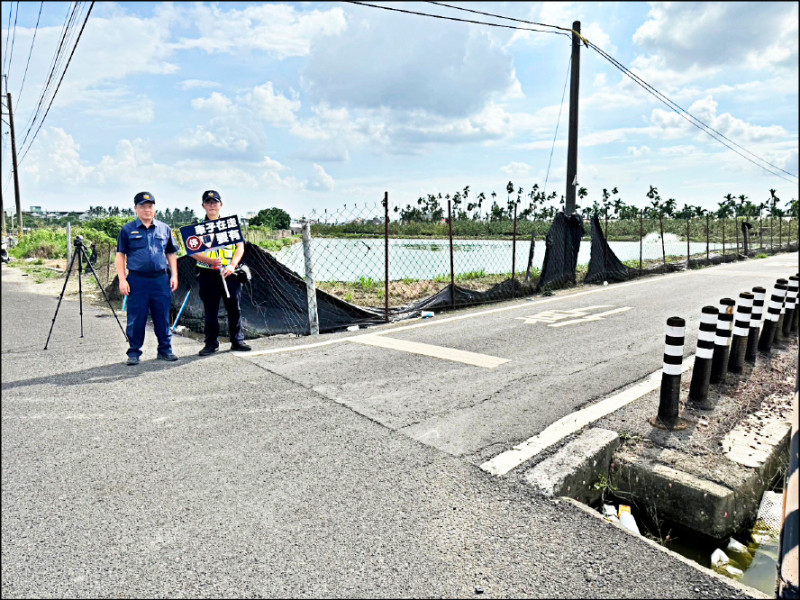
696 490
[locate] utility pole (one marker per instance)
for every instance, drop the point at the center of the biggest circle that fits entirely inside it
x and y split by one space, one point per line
14 165
572 149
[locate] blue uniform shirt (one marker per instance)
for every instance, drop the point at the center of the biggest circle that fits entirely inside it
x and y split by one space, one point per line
146 247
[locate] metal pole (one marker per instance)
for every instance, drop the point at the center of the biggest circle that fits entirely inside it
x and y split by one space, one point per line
386 256
14 166
452 268
572 148
311 291
514 255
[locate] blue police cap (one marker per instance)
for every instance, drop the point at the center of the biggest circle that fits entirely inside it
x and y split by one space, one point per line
207 195
143 197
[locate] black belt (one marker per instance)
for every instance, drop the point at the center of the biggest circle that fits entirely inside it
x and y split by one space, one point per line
150 274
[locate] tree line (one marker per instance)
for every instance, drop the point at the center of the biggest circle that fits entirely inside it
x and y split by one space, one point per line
432 207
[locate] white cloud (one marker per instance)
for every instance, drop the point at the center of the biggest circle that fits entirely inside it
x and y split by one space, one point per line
639 152
672 125
320 180
193 84
216 102
274 28
516 169
712 35
411 65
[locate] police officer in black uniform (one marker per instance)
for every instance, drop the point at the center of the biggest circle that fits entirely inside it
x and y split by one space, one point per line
214 265
151 252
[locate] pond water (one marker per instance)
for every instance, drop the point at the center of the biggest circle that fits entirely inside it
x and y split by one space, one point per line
337 259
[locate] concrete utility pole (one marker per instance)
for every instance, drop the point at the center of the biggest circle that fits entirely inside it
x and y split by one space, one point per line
14 165
572 149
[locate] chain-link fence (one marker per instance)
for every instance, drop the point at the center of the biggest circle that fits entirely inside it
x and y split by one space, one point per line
365 255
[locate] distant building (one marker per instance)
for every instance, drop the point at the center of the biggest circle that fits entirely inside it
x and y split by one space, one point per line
36 210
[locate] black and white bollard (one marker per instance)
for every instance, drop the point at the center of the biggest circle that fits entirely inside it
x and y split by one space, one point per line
796 319
722 340
701 373
771 318
791 306
777 337
741 330
755 324
669 401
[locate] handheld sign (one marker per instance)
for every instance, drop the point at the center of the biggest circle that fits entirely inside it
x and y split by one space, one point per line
211 234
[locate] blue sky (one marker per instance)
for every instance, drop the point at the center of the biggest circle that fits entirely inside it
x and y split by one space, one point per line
316 105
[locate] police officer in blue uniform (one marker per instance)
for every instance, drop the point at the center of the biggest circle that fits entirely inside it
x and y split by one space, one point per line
216 266
151 252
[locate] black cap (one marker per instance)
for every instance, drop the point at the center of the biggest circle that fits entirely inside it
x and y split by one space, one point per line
207 195
143 197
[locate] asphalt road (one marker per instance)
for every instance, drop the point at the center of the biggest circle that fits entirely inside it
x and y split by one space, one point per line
315 472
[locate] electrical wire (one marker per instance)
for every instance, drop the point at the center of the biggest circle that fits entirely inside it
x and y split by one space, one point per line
30 52
422 14
683 113
558 121
41 122
68 23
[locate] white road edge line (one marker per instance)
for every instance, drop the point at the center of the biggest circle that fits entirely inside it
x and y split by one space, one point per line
510 459
463 356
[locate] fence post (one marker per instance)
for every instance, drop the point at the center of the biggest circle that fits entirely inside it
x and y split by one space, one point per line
641 237
669 399
708 234
741 330
755 324
514 255
722 339
688 233
722 220
386 257
701 373
736 233
311 291
771 319
452 270
791 306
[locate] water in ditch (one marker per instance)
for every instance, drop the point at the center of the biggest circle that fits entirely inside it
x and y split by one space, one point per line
754 565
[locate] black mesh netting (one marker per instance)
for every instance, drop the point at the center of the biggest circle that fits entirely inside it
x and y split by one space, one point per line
273 302
603 263
561 252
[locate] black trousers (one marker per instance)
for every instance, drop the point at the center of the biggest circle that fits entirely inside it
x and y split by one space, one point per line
211 292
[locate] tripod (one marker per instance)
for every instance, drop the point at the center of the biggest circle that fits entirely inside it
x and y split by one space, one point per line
80 254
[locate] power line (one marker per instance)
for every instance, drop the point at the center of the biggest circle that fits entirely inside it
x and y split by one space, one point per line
13 37
412 12
41 122
672 105
30 52
65 30
772 169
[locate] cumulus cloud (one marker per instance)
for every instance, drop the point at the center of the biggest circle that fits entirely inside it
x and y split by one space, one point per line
320 180
407 64
275 28
672 125
515 168
698 35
